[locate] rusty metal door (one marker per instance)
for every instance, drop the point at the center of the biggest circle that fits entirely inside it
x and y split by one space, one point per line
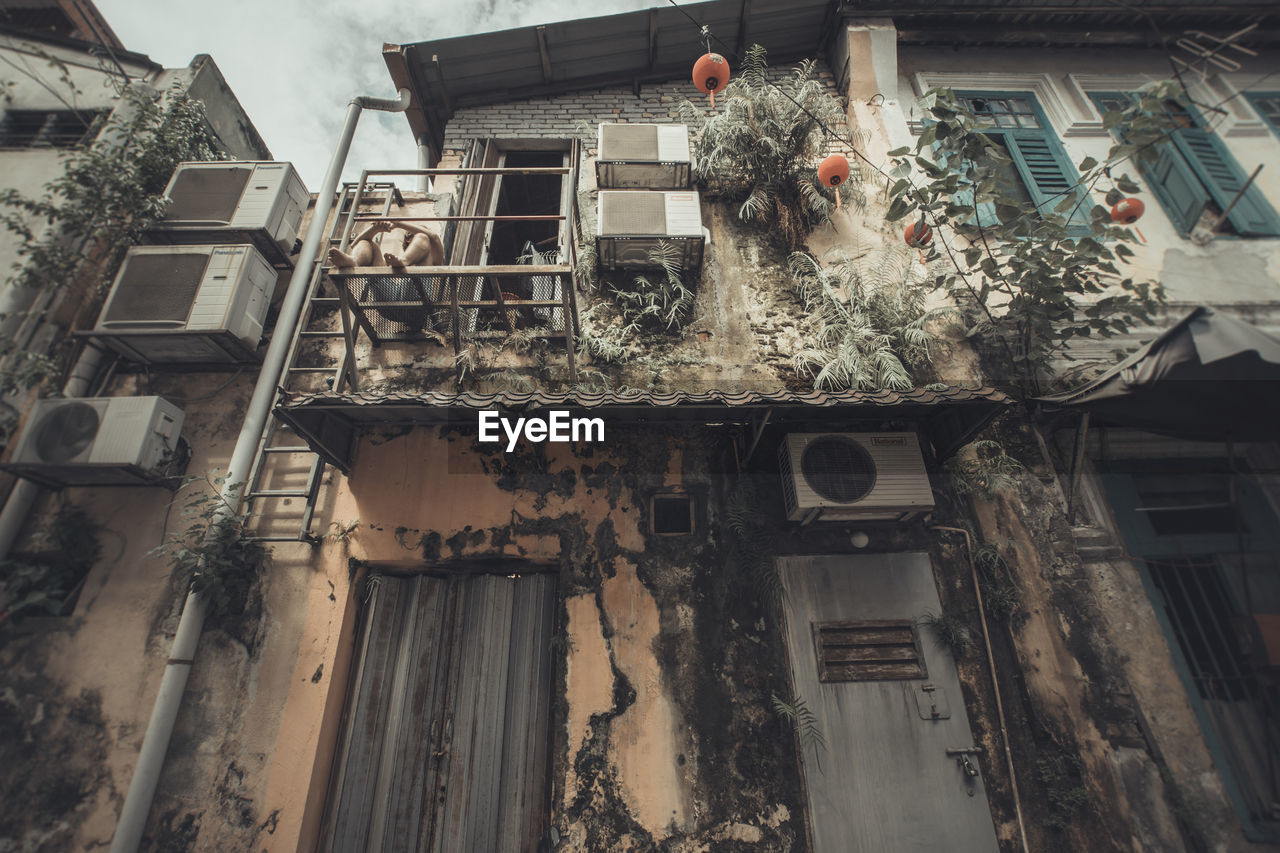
446 730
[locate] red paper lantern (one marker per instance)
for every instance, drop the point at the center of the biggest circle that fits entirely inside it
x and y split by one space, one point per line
1127 211
711 74
833 171
918 234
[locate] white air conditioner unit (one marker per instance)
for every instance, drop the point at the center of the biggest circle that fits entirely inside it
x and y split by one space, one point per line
99 441
873 476
633 222
643 156
188 305
234 202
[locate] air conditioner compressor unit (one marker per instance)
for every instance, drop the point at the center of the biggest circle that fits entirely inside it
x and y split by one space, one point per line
188 305
632 223
875 476
643 156
99 441
234 202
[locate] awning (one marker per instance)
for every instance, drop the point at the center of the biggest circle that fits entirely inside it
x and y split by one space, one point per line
1211 377
948 416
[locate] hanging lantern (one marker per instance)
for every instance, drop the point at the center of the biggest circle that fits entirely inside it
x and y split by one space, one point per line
918 234
832 172
1127 211
711 74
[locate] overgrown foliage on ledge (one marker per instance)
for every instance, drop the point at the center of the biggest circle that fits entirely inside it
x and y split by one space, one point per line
760 150
1034 278
868 319
72 238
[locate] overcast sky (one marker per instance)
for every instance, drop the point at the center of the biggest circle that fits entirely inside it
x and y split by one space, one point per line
294 64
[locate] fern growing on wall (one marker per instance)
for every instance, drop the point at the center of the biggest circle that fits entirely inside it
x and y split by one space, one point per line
761 150
870 320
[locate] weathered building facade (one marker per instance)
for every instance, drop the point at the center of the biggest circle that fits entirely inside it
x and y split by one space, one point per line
642 638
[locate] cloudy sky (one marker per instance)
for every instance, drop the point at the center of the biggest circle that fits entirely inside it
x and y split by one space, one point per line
294 64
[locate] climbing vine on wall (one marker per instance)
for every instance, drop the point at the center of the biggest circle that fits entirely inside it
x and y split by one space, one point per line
1032 277
72 237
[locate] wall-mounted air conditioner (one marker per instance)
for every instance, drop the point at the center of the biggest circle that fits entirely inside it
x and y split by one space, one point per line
643 156
872 476
234 202
188 305
632 223
99 441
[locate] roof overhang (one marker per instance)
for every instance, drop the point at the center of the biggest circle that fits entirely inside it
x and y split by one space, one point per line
949 417
661 43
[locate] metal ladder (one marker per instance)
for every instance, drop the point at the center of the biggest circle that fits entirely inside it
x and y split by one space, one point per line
282 456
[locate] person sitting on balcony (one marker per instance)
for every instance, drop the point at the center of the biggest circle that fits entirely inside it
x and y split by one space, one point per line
391 244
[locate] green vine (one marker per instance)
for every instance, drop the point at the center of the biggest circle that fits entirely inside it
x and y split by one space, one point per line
72 238
221 557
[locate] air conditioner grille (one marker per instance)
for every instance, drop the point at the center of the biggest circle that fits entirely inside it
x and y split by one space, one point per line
66 432
157 287
642 213
629 142
839 469
207 195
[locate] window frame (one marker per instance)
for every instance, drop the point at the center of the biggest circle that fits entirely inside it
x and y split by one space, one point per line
1158 186
1078 222
1271 121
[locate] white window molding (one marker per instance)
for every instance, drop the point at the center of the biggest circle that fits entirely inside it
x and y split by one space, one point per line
1239 120
1068 116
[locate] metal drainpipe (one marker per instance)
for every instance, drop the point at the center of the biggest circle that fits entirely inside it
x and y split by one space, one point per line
146 775
995 684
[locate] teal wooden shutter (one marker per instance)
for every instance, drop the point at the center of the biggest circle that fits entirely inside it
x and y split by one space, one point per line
1176 185
986 212
1223 178
1047 174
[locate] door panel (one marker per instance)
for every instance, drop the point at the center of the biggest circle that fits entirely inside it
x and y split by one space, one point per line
447 732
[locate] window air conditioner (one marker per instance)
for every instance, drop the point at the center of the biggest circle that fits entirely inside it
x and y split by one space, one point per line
632 223
874 476
188 305
99 441
643 156
234 202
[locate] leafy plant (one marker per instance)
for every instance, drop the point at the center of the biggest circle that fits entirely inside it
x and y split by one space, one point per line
1000 600
750 544
33 584
984 469
1060 774
1036 278
762 146
950 631
660 302
797 713
72 238
870 321
342 531
223 560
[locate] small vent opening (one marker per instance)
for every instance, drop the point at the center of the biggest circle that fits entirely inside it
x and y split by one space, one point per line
672 514
882 650
838 469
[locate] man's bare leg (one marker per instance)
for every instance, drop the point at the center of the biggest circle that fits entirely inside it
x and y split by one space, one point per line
363 254
424 250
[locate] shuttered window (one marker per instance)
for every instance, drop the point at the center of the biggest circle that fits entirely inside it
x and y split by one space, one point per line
46 129
1039 168
1267 105
1195 174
